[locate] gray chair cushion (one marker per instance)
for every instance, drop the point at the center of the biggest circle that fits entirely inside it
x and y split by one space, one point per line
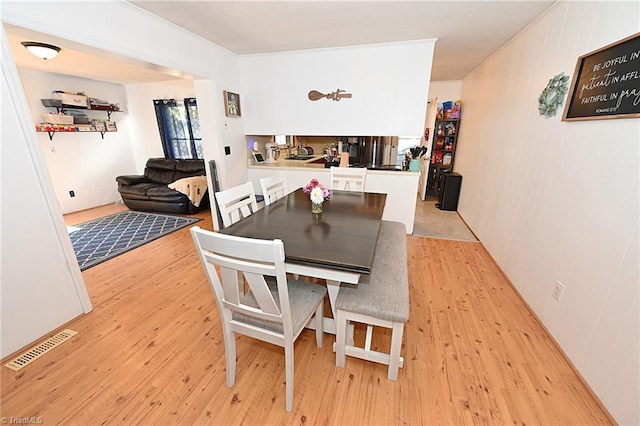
304 298
383 293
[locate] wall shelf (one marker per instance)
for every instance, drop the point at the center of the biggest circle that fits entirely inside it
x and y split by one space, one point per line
52 132
60 108
108 111
52 129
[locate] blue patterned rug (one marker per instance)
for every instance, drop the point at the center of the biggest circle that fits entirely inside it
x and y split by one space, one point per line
102 239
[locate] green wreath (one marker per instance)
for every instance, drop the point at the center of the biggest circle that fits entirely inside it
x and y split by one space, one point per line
553 95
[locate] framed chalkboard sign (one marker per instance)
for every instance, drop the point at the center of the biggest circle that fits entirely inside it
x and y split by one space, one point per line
606 83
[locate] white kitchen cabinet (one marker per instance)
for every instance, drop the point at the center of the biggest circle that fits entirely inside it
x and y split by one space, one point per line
389 84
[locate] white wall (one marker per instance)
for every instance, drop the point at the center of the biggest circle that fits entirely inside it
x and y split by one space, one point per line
136 33
145 136
389 84
125 30
37 291
82 162
558 201
449 90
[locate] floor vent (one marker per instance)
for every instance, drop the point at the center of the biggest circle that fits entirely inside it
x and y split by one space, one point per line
44 347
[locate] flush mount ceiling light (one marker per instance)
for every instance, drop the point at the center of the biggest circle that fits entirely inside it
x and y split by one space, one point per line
41 50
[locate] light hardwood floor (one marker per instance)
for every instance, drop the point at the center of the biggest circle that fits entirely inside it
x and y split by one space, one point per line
151 352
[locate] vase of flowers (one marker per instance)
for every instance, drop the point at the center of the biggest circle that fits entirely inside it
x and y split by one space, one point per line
317 194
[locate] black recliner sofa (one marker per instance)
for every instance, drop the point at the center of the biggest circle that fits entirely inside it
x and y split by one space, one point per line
150 192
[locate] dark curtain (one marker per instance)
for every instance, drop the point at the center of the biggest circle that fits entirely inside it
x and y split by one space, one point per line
193 121
179 128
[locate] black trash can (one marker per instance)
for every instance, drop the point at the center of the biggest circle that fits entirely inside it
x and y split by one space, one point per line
449 191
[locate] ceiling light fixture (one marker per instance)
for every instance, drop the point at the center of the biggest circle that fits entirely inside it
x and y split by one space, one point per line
41 50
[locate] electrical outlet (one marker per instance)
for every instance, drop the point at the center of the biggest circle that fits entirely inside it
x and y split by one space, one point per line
558 290
227 150
72 194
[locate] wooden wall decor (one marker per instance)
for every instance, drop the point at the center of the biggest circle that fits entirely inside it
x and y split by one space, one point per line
314 95
606 83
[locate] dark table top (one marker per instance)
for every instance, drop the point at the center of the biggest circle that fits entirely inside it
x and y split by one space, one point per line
344 238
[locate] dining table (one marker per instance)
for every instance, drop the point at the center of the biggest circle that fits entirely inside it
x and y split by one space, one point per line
338 246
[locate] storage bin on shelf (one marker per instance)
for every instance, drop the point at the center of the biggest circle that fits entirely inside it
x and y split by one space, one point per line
100 126
81 119
102 107
57 118
71 99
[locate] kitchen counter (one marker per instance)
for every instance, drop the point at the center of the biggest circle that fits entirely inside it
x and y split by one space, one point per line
312 163
294 163
401 187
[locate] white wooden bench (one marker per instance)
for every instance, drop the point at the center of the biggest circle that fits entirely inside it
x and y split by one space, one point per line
381 299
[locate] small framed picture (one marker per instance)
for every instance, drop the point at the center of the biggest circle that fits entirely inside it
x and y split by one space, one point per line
231 104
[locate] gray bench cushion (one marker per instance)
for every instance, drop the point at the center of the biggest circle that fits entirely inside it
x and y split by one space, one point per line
383 293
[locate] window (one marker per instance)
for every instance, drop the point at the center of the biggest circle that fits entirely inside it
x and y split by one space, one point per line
179 126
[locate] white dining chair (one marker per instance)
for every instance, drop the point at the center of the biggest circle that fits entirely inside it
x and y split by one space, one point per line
348 178
274 314
273 188
236 203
